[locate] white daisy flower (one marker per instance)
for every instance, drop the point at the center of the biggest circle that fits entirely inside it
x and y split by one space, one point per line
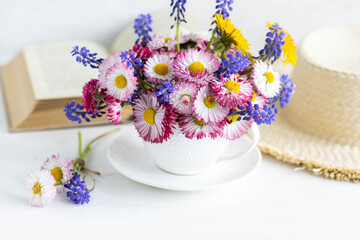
40 188
258 99
183 97
235 129
196 66
120 81
154 122
159 68
266 80
205 107
105 65
195 128
58 169
159 42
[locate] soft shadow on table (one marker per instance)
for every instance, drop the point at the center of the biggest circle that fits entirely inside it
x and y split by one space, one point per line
115 188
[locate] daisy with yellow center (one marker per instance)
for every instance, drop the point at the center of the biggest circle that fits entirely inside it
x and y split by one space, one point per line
230 35
266 80
289 48
159 68
258 99
162 42
236 128
59 170
40 188
120 81
195 65
193 127
232 92
154 122
183 97
205 107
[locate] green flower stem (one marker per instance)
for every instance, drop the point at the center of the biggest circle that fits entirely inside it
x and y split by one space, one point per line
82 154
177 28
146 83
98 96
79 137
58 183
211 39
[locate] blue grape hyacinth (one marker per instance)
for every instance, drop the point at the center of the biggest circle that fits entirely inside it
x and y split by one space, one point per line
142 26
77 191
274 40
224 7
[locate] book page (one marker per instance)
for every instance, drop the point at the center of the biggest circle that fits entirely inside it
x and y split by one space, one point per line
54 73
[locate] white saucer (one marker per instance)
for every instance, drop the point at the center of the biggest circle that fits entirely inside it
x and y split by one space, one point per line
128 156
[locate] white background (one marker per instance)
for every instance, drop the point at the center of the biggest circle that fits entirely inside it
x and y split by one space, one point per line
274 203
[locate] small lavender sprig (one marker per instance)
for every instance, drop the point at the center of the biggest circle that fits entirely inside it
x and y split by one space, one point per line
142 26
76 112
85 57
232 65
164 89
223 7
274 41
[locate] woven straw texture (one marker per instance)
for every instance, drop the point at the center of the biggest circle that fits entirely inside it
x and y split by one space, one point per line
320 129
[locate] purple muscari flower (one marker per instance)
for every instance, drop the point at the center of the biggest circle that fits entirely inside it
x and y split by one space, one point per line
164 90
132 61
77 191
178 4
286 92
74 112
232 65
142 26
265 115
274 40
85 57
223 7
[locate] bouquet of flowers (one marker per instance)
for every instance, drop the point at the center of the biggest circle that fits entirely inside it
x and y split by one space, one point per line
206 87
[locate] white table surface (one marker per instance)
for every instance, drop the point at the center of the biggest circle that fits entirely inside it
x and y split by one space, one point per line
276 202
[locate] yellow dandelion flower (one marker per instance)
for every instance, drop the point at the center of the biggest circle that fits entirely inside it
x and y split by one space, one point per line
289 48
230 32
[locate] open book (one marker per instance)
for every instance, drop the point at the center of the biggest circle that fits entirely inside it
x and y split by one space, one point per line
41 79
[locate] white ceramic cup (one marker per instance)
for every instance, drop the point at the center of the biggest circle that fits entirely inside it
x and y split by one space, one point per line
183 156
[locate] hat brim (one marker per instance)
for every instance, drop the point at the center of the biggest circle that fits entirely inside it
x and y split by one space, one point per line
317 155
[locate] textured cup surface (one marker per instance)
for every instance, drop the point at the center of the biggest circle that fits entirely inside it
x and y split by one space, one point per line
183 156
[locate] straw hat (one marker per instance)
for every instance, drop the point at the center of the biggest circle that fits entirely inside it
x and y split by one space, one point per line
320 128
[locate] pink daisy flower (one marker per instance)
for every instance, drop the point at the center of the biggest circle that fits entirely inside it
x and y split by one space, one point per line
205 107
196 66
120 81
236 129
159 42
114 110
192 40
141 52
89 101
183 96
159 68
258 99
231 92
154 122
191 127
58 169
105 65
